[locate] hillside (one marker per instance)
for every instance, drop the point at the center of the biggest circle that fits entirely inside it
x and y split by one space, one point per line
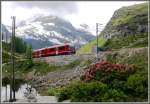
128 27
20 49
63 81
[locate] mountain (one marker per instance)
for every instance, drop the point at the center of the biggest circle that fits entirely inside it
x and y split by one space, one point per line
128 27
43 31
128 20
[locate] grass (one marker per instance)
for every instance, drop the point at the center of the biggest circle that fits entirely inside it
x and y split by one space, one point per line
6 46
132 17
87 49
126 14
44 68
51 91
6 53
131 41
21 68
139 59
5 57
24 67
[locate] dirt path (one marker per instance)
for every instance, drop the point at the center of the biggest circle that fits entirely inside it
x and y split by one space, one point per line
42 99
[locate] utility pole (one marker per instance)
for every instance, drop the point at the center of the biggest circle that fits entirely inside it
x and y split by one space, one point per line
14 23
97 37
97 30
12 84
6 38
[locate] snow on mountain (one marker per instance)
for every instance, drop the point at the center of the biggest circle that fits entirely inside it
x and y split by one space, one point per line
51 30
52 24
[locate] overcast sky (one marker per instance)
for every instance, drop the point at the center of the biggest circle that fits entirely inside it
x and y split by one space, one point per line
77 12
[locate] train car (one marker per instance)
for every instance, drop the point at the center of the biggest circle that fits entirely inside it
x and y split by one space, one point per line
37 53
50 51
66 49
54 50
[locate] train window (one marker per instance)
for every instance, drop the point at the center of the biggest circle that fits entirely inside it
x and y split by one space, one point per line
53 49
61 48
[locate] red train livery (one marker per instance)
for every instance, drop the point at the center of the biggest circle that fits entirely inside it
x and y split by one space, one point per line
54 50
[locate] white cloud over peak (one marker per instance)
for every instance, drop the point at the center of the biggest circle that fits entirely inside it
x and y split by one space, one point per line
77 12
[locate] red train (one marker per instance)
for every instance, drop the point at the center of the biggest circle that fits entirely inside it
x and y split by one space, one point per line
54 50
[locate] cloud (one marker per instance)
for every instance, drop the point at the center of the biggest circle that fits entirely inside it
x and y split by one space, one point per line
52 7
24 10
77 12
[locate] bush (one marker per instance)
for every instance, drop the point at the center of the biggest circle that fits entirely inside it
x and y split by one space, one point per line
82 91
53 91
138 83
114 95
94 91
106 72
64 94
89 92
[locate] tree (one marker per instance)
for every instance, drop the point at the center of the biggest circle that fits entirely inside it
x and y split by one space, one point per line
19 45
29 52
29 56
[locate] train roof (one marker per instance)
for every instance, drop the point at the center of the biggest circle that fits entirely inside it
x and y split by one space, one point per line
52 47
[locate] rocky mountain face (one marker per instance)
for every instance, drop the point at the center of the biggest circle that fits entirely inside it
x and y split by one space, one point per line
127 21
50 30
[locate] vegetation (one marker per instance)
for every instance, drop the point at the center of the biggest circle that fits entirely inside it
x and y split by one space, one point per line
6 46
139 59
18 82
100 70
21 67
5 57
20 45
82 91
20 49
44 67
53 91
127 18
123 77
90 46
26 66
107 82
94 91
131 41
29 52
126 14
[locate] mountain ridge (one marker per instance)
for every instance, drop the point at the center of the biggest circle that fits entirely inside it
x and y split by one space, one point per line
44 31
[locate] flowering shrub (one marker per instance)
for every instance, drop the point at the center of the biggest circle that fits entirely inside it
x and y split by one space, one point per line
105 69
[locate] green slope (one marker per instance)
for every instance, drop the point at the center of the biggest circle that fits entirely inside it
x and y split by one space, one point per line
86 49
131 15
126 21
